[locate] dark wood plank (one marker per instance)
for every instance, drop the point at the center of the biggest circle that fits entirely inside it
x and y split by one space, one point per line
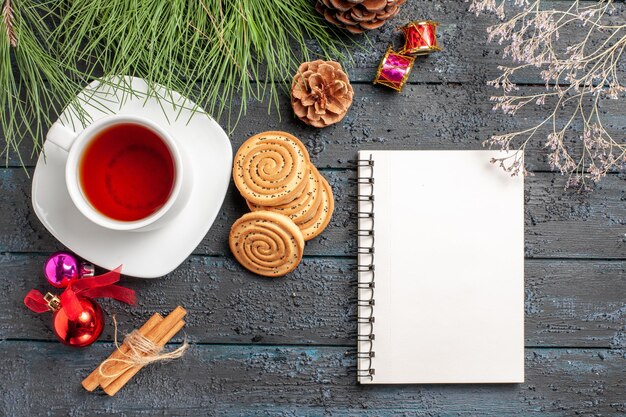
559 223
446 117
288 381
467 57
568 303
424 116
575 303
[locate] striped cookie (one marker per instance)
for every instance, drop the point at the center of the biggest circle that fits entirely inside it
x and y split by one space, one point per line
271 168
305 206
324 213
266 243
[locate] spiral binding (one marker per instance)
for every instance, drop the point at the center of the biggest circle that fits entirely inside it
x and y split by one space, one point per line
366 269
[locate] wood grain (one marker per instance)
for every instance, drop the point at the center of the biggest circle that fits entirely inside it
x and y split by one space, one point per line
559 223
424 116
568 303
294 381
467 57
285 347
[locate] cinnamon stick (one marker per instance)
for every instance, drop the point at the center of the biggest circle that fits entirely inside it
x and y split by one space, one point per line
113 387
92 381
157 334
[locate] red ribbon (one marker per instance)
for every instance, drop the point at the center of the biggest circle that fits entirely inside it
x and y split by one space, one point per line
101 286
35 301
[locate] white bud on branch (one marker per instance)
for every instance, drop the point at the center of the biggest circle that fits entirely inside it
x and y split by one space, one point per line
578 74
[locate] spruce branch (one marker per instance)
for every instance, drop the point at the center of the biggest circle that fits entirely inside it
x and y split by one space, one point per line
34 84
221 53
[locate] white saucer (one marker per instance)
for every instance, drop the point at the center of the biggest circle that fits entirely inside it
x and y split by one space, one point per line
147 254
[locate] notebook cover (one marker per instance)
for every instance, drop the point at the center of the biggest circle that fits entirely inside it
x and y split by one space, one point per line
449 268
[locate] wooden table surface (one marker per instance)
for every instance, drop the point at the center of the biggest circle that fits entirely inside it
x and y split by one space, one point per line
287 346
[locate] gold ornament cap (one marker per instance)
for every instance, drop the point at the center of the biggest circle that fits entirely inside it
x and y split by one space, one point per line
54 303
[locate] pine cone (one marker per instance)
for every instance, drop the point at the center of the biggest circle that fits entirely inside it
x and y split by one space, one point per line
321 93
357 16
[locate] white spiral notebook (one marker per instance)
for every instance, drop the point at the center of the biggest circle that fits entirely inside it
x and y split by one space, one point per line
441 268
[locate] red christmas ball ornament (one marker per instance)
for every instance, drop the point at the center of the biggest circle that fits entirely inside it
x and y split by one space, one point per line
77 320
82 331
61 268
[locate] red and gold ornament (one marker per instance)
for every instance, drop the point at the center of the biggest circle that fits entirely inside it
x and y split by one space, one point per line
78 331
77 319
420 38
394 70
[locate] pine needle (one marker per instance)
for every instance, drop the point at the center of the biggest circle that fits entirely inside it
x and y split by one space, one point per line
221 53
33 82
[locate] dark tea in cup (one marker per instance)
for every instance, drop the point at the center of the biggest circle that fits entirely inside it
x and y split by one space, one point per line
127 172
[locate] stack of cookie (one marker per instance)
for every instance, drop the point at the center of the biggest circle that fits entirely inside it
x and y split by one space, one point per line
291 203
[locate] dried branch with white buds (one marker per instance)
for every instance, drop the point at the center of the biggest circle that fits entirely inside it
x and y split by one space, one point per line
578 74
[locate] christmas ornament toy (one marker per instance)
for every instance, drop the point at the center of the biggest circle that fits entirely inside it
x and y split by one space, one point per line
394 70
61 268
420 38
77 319
78 326
78 331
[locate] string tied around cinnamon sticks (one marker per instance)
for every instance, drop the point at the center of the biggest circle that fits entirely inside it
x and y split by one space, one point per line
120 367
141 352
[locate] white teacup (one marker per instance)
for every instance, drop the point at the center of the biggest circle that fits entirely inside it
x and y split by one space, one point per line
76 144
